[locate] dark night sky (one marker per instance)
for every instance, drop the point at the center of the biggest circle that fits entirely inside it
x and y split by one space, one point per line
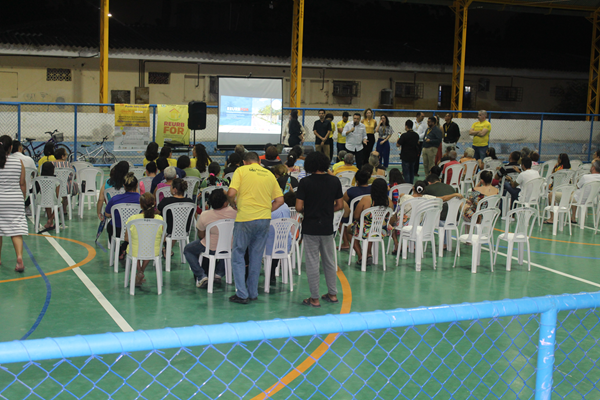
375 30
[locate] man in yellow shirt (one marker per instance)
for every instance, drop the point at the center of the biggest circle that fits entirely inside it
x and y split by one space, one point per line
348 164
256 193
481 135
341 139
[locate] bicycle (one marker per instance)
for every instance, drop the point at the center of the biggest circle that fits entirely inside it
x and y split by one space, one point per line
95 155
55 137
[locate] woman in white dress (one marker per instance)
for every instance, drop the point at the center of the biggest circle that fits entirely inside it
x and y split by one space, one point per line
13 222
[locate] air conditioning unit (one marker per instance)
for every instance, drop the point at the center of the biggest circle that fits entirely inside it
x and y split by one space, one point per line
386 98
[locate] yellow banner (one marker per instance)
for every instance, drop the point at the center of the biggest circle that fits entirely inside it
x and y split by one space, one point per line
172 125
132 115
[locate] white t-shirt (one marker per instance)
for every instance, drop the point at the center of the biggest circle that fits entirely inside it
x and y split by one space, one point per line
420 128
27 161
587 178
526 176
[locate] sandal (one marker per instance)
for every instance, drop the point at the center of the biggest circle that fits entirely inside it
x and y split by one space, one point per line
307 302
19 268
546 222
139 279
50 228
328 298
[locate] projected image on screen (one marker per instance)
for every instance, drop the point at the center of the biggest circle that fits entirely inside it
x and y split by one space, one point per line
250 111
237 114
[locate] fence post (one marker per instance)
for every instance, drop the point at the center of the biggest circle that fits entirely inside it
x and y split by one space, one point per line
19 122
303 111
541 129
590 142
154 123
545 361
75 135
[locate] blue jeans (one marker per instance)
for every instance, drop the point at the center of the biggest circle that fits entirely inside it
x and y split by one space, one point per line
480 152
251 235
514 192
192 254
408 170
384 152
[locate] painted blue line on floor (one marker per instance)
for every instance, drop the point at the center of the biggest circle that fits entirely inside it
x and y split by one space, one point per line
48 293
555 254
102 247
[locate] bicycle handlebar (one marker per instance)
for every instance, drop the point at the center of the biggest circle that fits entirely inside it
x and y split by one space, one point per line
52 133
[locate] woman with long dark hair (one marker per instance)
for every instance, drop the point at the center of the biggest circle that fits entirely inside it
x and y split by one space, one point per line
116 180
214 169
233 162
48 155
201 160
151 153
294 129
370 125
167 152
385 132
377 198
562 162
13 222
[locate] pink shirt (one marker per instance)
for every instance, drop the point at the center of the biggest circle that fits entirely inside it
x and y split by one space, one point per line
210 216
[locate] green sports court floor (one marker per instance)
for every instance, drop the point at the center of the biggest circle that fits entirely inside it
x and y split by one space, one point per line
69 289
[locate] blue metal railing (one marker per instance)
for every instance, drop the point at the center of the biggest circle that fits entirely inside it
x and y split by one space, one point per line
34 351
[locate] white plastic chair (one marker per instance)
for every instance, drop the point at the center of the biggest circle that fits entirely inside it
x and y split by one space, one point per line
470 168
457 171
455 206
46 198
424 219
222 251
530 196
563 208
545 170
588 196
442 163
400 211
337 220
562 177
282 250
353 204
379 217
138 172
493 165
346 174
181 214
163 193
146 231
481 232
520 235
206 193
147 180
575 164
126 210
193 185
78 165
345 181
87 178
227 177
112 192
30 175
485 203
66 176
403 188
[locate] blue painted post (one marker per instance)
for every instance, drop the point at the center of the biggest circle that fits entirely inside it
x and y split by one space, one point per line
541 129
590 142
303 111
75 135
154 123
545 361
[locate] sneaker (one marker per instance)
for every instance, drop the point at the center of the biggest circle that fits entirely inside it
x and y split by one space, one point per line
202 283
239 300
369 260
217 280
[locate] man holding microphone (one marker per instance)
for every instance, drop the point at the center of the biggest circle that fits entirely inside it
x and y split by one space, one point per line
356 137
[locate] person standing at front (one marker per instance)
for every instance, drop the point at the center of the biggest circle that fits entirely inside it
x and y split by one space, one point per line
319 196
256 193
356 137
409 143
322 131
419 126
481 135
370 126
385 132
431 142
341 140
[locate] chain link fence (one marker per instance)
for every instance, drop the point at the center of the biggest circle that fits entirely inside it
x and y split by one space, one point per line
511 349
84 124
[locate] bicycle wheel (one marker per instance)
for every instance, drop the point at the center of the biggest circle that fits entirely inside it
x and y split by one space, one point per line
109 158
64 146
27 152
80 157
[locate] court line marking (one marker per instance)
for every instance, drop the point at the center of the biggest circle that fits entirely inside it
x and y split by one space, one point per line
48 294
555 240
558 254
319 351
108 307
91 255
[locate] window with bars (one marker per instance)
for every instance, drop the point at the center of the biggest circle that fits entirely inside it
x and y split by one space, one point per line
407 90
159 78
345 88
509 93
58 74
